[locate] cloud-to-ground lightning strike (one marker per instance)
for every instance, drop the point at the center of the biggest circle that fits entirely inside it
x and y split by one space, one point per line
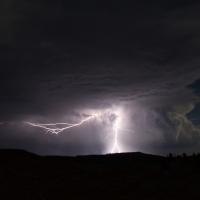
116 145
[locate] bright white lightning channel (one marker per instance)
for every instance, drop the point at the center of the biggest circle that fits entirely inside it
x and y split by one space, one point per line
53 128
116 145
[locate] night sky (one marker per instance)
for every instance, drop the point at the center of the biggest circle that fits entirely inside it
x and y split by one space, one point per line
134 63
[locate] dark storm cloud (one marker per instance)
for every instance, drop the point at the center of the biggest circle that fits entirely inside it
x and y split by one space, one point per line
61 60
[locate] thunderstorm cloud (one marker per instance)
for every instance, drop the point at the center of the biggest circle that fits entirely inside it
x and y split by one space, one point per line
62 61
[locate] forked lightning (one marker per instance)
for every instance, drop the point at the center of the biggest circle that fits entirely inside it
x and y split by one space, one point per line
55 128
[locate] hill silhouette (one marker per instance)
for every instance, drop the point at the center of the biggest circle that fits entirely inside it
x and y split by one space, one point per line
25 175
16 153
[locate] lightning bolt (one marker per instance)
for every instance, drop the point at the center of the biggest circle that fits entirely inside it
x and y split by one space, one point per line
53 128
116 145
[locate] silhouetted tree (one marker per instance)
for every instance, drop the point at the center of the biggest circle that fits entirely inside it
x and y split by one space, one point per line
193 154
198 157
170 156
184 155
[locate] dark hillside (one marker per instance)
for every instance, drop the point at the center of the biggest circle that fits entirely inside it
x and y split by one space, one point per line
16 153
24 175
114 159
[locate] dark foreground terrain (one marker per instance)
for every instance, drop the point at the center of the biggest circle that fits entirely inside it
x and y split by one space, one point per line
24 175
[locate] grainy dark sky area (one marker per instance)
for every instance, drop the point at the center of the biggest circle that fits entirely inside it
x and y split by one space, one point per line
132 62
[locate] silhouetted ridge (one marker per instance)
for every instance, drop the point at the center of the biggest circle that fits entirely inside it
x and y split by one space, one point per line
131 156
117 159
122 158
16 153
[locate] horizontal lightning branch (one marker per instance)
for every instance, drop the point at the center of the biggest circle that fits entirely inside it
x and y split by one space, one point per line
55 129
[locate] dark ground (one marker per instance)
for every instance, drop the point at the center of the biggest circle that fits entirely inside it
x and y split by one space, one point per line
24 175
